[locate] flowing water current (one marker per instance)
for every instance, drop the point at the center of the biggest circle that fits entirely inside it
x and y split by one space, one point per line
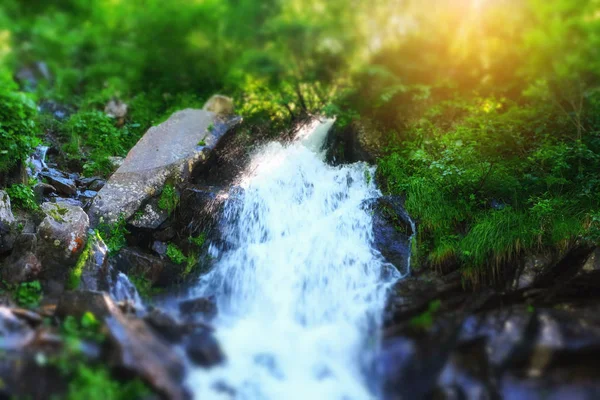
299 286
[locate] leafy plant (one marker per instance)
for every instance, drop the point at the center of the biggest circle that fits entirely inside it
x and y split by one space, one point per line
28 294
175 254
114 235
169 199
22 196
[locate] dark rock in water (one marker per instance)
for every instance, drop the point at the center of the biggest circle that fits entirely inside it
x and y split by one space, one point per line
168 151
98 274
63 185
167 326
392 230
204 307
88 194
61 238
357 141
134 347
15 332
58 111
157 270
203 349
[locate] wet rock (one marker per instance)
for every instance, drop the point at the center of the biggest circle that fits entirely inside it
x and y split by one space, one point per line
98 274
593 262
14 331
220 105
167 326
534 266
155 269
204 307
167 151
58 111
361 140
392 230
63 185
61 237
203 349
88 194
136 348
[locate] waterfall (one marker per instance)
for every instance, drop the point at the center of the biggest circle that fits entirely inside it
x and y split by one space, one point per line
299 286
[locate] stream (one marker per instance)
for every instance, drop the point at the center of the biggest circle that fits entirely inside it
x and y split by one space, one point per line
299 286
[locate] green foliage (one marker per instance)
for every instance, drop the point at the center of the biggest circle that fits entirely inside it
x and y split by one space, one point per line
74 278
424 320
89 381
22 196
18 135
198 240
169 199
175 254
28 294
144 287
115 234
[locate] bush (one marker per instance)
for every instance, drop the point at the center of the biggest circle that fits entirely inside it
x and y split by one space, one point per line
18 133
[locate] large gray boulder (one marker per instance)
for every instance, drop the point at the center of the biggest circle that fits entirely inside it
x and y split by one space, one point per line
7 220
167 152
6 214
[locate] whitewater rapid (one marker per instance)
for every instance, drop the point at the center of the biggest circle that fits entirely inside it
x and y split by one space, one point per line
299 287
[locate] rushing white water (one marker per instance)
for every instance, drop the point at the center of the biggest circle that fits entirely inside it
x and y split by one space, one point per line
300 289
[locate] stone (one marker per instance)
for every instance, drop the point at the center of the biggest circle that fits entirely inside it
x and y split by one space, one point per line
134 347
167 326
97 184
67 201
98 274
6 215
203 349
43 189
392 231
534 266
204 307
63 185
88 194
151 216
7 237
157 270
116 109
61 237
168 151
160 248
77 303
21 267
220 105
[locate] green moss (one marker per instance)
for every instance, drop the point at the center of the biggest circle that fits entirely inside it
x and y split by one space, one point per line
115 234
175 254
28 294
169 199
198 240
74 278
425 320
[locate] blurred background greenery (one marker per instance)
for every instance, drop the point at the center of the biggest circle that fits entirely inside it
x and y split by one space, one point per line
485 113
